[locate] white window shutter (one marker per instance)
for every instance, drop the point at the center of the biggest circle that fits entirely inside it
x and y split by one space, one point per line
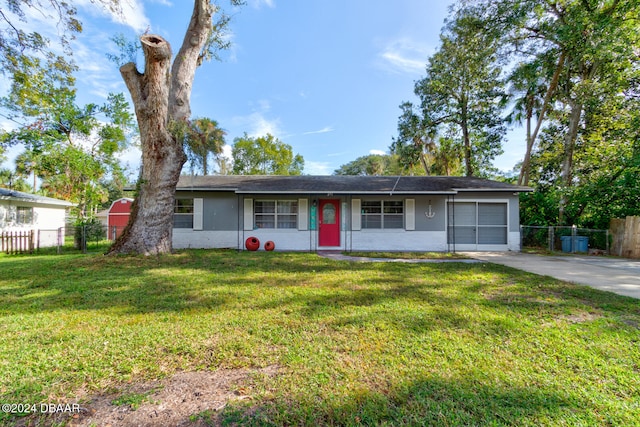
410 214
248 214
303 214
356 218
198 205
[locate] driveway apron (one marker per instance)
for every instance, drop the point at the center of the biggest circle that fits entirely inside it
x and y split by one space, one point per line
618 275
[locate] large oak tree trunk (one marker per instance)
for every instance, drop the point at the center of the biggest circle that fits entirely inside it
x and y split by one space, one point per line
161 97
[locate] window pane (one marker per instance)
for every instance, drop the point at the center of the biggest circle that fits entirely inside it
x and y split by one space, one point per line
182 221
462 235
329 214
369 207
183 206
24 215
287 206
265 221
287 221
262 206
462 213
371 221
492 214
492 235
393 221
395 207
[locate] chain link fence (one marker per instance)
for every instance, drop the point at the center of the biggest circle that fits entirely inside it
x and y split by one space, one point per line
566 239
91 238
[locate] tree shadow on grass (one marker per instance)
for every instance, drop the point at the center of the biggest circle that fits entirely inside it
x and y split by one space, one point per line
184 281
191 280
209 280
429 401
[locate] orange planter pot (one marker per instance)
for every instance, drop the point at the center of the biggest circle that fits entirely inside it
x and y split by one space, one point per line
269 246
252 244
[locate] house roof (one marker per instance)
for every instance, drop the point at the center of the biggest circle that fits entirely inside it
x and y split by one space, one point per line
19 196
341 184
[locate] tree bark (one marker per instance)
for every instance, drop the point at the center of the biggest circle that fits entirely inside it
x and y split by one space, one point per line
566 172
161 97
553 85
523 179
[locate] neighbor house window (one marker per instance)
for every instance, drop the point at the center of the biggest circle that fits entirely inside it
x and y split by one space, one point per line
275 213
183 213
24 215
382 214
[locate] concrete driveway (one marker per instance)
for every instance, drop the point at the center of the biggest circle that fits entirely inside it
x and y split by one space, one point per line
618 275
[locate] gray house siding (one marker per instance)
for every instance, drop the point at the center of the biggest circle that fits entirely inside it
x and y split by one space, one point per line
403 214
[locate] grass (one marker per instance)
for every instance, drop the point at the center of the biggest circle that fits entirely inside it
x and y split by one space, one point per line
408 255
132 400
355 343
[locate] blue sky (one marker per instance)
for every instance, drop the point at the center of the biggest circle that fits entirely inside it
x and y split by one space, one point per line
324 76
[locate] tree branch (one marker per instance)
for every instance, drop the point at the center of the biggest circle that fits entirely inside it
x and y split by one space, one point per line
187 60
133 79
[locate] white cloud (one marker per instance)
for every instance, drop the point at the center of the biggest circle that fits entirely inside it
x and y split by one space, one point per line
263 105
226 151
404 56
377 152
318 168
257 4
130 13
256 124
323 130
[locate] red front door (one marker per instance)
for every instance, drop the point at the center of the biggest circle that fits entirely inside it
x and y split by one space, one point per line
329 223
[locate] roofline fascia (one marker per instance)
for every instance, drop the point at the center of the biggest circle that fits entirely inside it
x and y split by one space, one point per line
37 201
495 190
317 193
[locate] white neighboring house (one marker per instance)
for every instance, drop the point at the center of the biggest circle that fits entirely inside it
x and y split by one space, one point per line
23 212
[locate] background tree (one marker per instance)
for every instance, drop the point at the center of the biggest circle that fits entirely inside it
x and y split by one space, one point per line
264 155
587 51
12 181
462 93
372 165
70 148
527 88
203 138
420 151
414 145
161 96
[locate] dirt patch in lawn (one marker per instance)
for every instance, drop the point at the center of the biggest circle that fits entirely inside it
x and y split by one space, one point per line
191 399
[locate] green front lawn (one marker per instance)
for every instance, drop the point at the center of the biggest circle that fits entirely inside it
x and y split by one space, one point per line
353 343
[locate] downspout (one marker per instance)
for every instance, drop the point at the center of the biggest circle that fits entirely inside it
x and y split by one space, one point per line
351 223
452 226
310 227
239 226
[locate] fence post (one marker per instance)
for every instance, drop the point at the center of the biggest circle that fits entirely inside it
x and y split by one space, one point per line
607 244
521 238
574 241
552 238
